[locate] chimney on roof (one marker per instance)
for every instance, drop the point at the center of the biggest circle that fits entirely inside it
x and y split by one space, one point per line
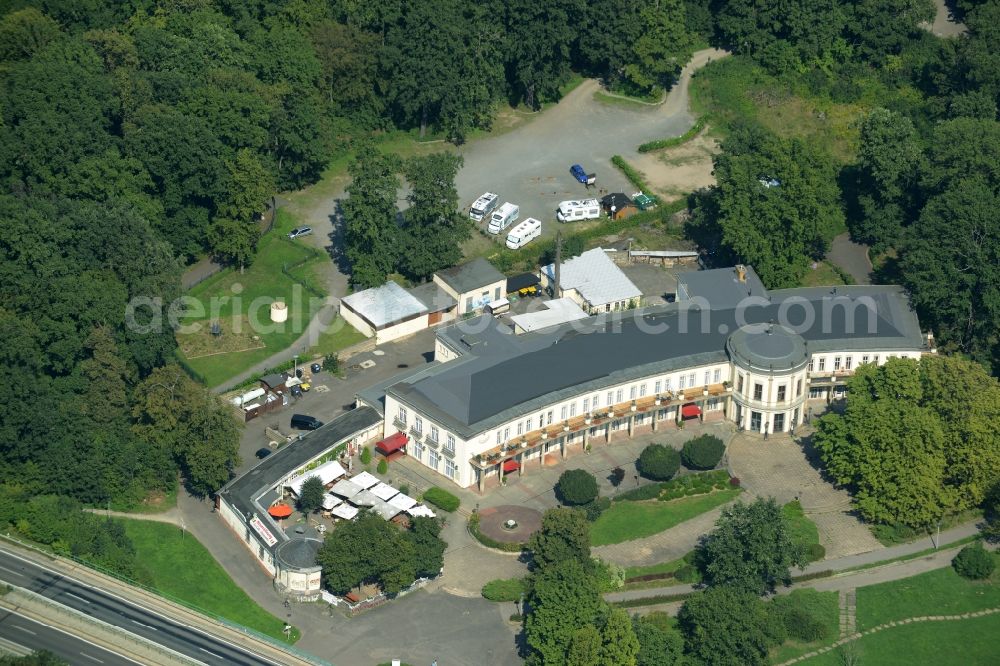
741 272
555 287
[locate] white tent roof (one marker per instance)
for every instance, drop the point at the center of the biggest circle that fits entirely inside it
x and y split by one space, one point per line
326 472
345 511
403 502
345 488
365 480
330 501
596 277
365 498
420 511
386 510
384 492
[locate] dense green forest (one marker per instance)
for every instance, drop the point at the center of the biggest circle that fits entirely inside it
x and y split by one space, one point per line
923 188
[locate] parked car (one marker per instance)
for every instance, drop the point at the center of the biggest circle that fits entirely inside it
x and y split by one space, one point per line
305 422
299 231
316 368
582 176
263 453
296 391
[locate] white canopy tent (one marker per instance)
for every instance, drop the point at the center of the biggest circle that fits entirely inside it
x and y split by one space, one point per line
330 501
384 492
402 502
327 473
365 480
345 488
420 511
345 511
386 510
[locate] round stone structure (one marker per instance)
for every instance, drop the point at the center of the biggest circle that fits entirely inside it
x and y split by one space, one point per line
297 571
491 523
769 347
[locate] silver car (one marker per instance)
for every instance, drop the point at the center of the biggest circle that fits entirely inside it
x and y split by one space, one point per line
299 231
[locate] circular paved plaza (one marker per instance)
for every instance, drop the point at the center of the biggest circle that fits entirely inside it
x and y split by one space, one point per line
491 523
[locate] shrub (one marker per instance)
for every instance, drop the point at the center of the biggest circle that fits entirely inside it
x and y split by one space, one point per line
504 589
974 562
596 508
382 466
404 489
366 455
735 482
647 492
609 576
441 498
815 552
658 462
802 614
686 574
774 627
576 486
331 364
703 452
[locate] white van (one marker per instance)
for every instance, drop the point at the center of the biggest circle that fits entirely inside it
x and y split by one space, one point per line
524 232
574 211
503 217
483 206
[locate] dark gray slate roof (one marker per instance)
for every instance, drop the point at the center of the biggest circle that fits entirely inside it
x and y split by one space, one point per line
503 376
471 276
719 286
434 298
298 553
243 492
768 348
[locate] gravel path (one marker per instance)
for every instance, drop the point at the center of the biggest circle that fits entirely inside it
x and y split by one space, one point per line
852 257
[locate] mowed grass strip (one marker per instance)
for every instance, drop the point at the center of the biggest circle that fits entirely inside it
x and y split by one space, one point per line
180 567
938 592
801 529
969 642
625 521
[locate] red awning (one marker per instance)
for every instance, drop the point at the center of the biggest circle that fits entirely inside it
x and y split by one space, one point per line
511 465
280 511
690 410
392 443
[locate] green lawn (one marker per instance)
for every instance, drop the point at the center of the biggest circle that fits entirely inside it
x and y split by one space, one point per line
803 531
260 284
971 642
625 521
938 592
825 275
660 568
823 605
338 335
180 567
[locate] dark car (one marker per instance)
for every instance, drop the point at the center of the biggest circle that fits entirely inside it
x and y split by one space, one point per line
296 391
315 367
305 422
579 173
263 453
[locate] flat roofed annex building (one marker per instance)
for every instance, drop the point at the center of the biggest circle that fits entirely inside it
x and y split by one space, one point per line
494 402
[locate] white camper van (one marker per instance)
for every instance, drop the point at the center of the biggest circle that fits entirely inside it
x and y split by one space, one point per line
503 217
483 206
574 211
528 230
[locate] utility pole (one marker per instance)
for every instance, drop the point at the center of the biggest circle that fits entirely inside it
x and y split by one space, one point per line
555 287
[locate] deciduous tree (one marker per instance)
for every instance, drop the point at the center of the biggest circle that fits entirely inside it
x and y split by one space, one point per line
562 599
371 233
564 535
725 625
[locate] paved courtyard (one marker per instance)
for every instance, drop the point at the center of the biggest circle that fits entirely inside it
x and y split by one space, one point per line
778 467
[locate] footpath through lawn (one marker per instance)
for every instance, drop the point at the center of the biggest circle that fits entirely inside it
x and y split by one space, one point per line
181 568
626 520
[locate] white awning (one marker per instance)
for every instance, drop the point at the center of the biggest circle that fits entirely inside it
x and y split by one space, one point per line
327 472
330 501
345 511
386 510
365 498
403 502
419 511
365 480
384 492
345 488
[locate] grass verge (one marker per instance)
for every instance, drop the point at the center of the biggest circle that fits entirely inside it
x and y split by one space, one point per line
625 521
674 141
181 568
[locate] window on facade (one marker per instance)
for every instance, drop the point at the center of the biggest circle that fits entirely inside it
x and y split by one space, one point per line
572 408
450 469
667 383
864 359
611 398
499 435
450 446
618 395
739 384
520 427
656 386
781 393
758 391
822 363
527 424
597 400
468 304
848 362
642 390
682 382
402 415
779 423
876 359
506 433
496 293
717 376
707 377
418 450
434 433
433 459
607 308
631 392
549 419
812 363
562 412
418 424
692 378
586 405
798 388
836 363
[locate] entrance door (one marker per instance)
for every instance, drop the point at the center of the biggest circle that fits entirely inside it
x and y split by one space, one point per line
779 423
755 421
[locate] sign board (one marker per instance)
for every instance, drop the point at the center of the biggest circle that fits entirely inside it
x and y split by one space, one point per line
265 533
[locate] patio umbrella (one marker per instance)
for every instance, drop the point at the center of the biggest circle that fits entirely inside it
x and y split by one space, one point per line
280 511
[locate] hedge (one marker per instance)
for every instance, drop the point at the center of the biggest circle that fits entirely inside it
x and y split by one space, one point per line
504 589
487 541
577 487
441 498
675 140
633 176
655 600
974 562
647 492
658 462
703 452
